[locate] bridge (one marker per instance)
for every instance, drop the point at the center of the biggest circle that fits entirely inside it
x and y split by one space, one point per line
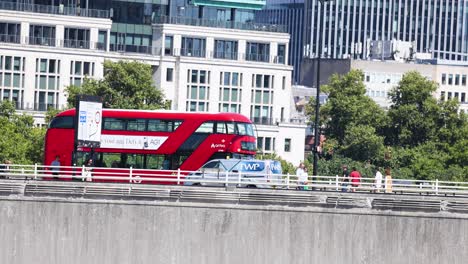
85 222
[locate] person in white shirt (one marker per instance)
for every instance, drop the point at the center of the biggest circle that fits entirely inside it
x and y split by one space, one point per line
378 180
302 176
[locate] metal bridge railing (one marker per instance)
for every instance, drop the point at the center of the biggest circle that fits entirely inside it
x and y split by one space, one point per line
237 179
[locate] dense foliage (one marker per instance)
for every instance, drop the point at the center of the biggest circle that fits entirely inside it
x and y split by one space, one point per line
418 137
20 140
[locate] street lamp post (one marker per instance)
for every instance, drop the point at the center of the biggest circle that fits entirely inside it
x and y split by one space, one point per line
317 98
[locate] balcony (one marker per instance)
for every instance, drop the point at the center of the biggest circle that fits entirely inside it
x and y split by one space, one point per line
225 55
55 10
42 41
200 53
219 24
76 44
10 38
262 120
258 57
123 48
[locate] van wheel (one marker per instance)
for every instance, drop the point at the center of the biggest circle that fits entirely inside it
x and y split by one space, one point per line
251 186
196 184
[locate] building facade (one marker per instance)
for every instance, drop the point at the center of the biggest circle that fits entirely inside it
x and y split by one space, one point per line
200 65
289 13
350 28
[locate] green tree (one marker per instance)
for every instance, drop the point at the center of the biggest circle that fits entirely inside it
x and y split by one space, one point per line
126 85
20 141
348 106
414 112
362 143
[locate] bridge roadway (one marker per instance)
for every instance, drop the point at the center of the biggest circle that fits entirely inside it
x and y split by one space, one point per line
73 222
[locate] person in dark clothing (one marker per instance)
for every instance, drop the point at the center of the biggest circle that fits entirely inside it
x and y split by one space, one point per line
55 167
345 179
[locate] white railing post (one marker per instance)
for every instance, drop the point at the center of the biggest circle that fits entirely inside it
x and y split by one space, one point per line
287 181
437 186
239 178
83 175
23 174
131 174
35 171
226 179
337 183
178 176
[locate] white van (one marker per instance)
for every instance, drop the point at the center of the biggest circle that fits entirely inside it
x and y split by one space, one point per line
250 173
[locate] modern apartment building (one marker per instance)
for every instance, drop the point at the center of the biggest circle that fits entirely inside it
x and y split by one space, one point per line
226 64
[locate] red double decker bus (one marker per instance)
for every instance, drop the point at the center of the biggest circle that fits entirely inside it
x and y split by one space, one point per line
161 140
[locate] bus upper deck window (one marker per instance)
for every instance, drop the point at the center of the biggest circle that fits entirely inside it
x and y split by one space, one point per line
114 124
207 127
62 122
231 128
136 125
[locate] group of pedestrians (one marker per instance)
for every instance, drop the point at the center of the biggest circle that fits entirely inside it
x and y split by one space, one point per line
354 177
380 183
350 181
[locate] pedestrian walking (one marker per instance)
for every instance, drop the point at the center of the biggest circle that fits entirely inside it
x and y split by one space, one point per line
378 181
55 167
302 176
355 179
345 179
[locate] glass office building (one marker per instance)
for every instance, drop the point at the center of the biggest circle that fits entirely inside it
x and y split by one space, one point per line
439 27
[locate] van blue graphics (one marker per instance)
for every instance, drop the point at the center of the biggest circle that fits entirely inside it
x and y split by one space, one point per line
259 166
252 166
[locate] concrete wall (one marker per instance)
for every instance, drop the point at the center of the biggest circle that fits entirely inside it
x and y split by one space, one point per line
56 231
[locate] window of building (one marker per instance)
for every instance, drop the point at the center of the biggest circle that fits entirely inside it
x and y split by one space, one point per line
284 83
102 40
257 52
79 70
76 38
225 49
169 74
463 98
168 45
450 79
47 80
463 80
12 79
266 144
287 145
442 95
456 95
42 35
281 53
457 79
444 78
193 47
198 90
230 92
449 95
10 32
261 110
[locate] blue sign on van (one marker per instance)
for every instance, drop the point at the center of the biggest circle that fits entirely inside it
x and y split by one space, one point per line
252 166
275 167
